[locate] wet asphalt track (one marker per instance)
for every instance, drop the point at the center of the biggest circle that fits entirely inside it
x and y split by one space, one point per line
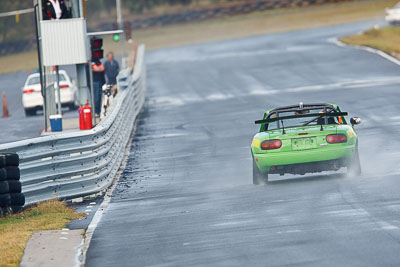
18 126
186 197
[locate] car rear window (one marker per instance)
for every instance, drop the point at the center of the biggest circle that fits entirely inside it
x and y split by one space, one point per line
36 79
298 122
33 80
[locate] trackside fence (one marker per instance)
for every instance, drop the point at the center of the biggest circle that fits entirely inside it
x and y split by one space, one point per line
70 165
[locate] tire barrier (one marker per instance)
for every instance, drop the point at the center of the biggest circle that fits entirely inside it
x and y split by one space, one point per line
74 164
11 197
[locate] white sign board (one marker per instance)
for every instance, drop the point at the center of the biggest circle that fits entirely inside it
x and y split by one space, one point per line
64 42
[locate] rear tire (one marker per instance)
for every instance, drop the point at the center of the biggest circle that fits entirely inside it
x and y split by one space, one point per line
354 167
30 112
258 177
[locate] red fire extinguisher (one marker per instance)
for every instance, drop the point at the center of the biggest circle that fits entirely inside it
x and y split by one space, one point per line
85 117
81 121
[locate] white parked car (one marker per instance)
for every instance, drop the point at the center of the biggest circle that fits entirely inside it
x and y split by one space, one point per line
393 14
32 98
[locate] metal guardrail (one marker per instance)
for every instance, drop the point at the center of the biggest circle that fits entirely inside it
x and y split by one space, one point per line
70 165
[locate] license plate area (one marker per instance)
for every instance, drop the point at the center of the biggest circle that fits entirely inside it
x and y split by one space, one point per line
304 143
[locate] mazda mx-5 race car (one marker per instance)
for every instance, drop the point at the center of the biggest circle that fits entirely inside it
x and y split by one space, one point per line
305 138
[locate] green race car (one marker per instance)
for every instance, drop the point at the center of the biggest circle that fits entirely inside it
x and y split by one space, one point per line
304 138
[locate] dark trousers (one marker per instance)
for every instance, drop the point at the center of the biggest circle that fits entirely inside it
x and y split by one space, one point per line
97 97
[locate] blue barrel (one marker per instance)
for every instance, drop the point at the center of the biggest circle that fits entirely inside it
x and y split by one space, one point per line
56 123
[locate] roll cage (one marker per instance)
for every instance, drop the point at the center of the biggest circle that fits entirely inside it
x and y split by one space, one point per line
324 114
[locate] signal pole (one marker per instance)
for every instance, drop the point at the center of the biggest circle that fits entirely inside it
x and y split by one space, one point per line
121 27
37 11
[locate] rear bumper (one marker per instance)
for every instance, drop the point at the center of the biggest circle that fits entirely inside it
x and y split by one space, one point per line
67 96
314 160
312 167
32 100
393 18
35 100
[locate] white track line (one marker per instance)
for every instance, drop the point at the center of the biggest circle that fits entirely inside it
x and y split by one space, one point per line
366 48
103 206
384 225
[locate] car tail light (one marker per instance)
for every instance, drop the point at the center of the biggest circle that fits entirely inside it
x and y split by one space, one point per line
271 144
28 91
336 138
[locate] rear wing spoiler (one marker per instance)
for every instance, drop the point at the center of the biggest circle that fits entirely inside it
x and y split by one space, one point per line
317 115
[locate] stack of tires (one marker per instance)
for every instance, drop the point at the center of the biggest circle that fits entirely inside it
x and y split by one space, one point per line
11 198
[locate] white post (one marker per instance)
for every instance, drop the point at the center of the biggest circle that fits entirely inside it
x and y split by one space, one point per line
38 14
121 27
58 90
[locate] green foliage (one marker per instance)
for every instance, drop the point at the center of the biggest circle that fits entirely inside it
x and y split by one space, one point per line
10 30
373 33
139 6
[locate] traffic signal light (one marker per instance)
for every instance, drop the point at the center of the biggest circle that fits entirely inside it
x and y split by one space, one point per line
96 45
116 36
128 31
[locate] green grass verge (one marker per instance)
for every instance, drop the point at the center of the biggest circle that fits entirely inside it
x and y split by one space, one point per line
386 39
15 230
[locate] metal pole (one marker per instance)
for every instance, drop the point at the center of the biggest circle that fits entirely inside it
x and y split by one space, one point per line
76 6
16 12
42 84
50 94
105 33
40 10
83 8
120 24
58 90
92 94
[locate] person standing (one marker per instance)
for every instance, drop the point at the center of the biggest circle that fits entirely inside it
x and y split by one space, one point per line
98 82
111 68
54 9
